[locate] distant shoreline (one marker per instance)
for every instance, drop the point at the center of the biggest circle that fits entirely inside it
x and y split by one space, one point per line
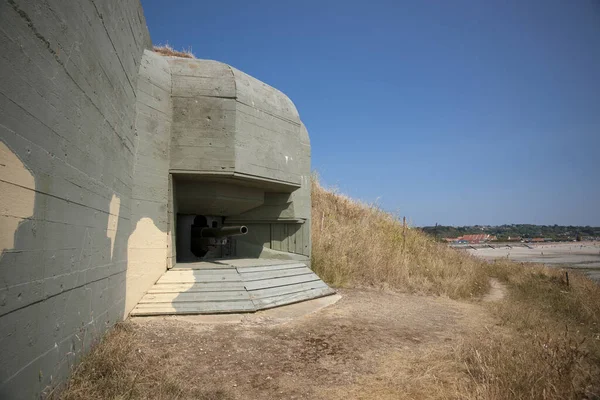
580 256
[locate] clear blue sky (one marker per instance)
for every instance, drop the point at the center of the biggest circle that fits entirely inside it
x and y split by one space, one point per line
456 112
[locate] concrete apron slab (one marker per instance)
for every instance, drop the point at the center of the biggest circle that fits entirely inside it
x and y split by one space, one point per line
231 286
273 316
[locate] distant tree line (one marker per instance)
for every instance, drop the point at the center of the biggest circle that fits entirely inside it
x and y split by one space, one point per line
525 231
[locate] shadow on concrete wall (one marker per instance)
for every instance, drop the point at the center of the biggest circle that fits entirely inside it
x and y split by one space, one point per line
62 267
65 269
70 200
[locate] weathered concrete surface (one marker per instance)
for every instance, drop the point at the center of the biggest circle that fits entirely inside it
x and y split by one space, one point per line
274 316
148 246
231 129
216 198
96 132
227 123
68 73
16 203
231 285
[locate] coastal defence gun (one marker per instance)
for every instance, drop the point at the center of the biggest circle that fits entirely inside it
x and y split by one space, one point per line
217 233
215 240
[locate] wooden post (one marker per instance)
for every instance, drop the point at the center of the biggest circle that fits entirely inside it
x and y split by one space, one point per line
322 221
403 232
567 276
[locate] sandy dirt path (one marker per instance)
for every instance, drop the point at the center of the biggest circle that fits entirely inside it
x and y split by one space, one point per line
369 345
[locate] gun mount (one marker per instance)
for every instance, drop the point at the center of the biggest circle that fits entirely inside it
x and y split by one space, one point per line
211 242
204 232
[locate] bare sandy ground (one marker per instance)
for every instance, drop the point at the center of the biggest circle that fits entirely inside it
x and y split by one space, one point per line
584 257
368 345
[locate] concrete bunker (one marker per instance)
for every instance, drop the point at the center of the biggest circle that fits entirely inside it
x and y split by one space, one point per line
109 150
238 198
239 156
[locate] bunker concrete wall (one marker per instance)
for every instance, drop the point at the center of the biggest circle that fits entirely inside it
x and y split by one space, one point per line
148 247
203 117
228 125
68 90
269 135
91 126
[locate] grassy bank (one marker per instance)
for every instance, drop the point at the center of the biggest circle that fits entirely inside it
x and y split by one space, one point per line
547 341
356 244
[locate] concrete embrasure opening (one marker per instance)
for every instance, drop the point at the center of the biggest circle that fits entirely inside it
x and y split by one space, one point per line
221 265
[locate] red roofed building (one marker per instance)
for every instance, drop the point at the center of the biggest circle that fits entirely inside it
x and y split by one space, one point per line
479 238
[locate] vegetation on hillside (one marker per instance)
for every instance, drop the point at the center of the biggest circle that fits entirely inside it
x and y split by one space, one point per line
356 244
503 232
547 345
547 341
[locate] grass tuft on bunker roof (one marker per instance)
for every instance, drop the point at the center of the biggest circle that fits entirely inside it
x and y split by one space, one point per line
167 50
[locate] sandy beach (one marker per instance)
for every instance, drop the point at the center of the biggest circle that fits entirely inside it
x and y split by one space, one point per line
582 256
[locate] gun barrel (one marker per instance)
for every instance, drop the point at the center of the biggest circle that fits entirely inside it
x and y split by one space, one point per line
222 232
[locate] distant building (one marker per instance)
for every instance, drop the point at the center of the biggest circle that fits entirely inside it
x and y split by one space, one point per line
480 238
473 239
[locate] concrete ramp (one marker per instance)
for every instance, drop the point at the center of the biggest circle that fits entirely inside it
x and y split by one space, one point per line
231 286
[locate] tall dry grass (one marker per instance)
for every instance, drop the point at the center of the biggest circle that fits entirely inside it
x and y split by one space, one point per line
549 347
545 291
121 367
542 363
355 244
547 341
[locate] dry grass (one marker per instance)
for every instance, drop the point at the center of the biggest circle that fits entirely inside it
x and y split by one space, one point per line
544 290
422 374
543 363
120 367
545 344
539 364
167 50
355 244
548 342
